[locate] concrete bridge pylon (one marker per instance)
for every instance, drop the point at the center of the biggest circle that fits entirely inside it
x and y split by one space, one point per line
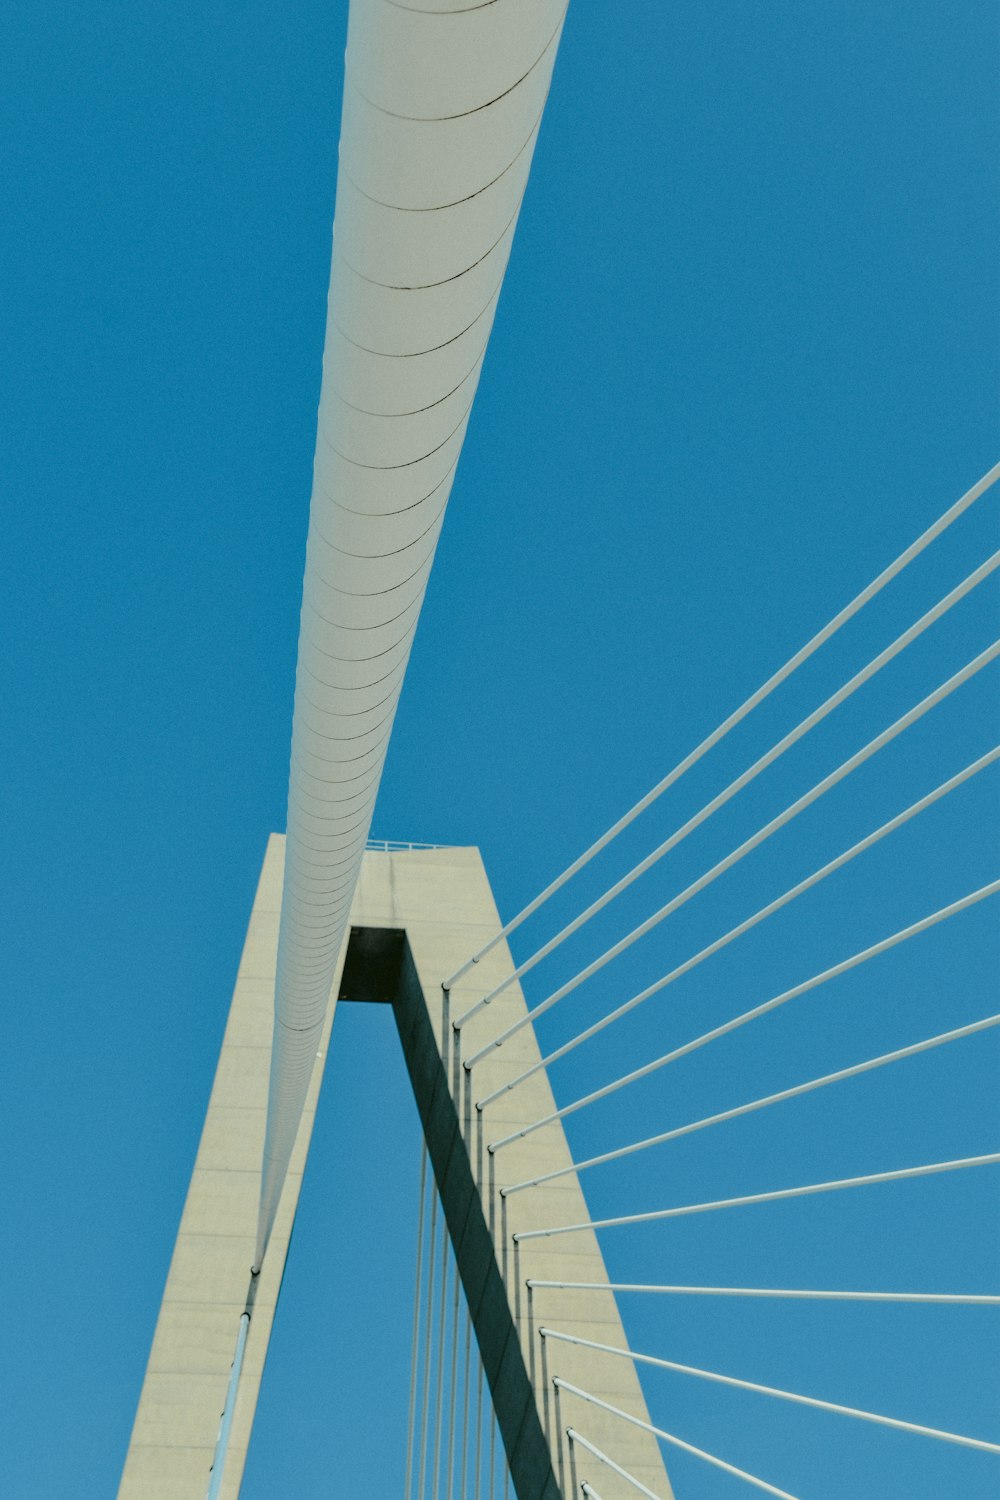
417 915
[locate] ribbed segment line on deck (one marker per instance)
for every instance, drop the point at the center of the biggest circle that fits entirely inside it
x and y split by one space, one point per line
440 118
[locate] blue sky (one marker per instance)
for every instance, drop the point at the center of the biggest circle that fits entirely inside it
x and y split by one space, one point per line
746 351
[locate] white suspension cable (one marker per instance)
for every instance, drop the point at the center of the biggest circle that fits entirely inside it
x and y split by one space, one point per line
493 1449
897 1175
417 1289
802 655
735 932
479 1424
748 1015
439 1408
588 1489
941 1040
759 765
217 1471
428 1345
798 806
453 1389
770 1390
465 1406
668 1437
970 1299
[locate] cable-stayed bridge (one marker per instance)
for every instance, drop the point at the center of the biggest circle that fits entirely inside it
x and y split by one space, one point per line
523 1377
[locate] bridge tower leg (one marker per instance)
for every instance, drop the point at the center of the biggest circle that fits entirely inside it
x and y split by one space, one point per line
417 915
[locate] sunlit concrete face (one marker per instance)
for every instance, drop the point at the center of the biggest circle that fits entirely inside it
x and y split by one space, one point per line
173 1439
437 906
